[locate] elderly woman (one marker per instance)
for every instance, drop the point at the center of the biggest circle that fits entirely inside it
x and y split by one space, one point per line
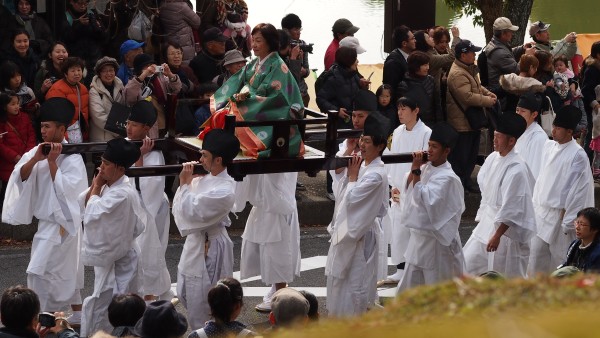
232 62
178 20
105 89
152 82
21 53
50 70
173 56
71 88
584 252
38 29
420 87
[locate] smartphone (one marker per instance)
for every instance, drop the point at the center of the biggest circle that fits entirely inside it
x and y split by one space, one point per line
47 319
369 78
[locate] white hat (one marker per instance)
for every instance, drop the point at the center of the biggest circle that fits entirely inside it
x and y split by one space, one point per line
352 42
503 23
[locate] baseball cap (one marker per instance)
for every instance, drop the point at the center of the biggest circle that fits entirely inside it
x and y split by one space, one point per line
352 42
538 26
213 34
342 26
465 46
503 23
130 45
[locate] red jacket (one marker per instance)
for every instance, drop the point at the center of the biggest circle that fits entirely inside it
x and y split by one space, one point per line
330 53
62 88
12 145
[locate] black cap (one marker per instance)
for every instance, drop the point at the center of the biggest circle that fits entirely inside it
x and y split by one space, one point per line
161 320
213 34
465 46
444 134
57 109
121 152
377 125
221 143
567 117
143 112
344 26
141 61
511 124
530 101
365 100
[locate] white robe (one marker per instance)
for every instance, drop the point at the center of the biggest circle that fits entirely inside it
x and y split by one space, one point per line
403 141
353 254
54 272
565 183
271 239
506 185
153 242
112 222
530 146
201 211
434 206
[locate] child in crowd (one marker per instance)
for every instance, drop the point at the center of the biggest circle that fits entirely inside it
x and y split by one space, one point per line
124 312
595 144
11 80
569 91
385 106
203 112
16 136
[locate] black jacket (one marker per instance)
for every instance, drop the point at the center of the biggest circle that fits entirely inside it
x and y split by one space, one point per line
84 41
28 65
394 71
586 260
422 90
338 91
206 67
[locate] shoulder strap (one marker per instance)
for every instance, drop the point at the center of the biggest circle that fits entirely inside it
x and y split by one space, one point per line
456 101
16 132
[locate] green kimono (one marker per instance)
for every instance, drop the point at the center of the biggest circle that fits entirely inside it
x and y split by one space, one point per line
274 95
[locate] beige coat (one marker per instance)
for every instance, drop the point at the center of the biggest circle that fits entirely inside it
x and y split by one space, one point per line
100 104
463 83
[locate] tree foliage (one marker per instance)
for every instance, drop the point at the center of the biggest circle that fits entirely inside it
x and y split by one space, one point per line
517 11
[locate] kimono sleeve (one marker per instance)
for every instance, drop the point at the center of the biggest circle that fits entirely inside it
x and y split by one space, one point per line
579 190
70 181
19 198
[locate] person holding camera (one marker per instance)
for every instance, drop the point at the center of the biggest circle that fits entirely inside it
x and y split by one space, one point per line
19 308
539 33
297 54
152 82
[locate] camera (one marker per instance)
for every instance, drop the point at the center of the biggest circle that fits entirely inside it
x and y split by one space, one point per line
159 69
305 47
47 319
53 79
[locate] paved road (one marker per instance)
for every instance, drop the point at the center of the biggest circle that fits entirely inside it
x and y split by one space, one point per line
314 247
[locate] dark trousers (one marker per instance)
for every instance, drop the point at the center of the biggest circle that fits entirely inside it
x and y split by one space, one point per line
464 155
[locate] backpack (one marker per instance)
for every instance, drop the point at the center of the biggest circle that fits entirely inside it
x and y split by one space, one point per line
140 28
483 68
322 78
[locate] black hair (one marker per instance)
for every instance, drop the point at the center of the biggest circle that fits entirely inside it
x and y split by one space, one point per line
421 43
383 87
71 62
8 70
223 297
313 304
561 58
126 310
345 56
400 35
440 32
407 102
545 59
18 307
415 60
208 87
163 52
291 21
269 33
5 99
595 50
592 215
284 39
17 32
32 3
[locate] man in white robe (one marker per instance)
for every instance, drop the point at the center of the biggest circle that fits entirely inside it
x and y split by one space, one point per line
47 186
530 145
564 187
153 242
412 135
113 219
434 202
353 254
201 207
500 241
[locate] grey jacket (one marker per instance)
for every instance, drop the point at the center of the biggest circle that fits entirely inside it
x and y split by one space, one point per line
178 20
562 47
501 60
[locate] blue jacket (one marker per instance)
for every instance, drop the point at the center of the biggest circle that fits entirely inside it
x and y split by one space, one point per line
586 260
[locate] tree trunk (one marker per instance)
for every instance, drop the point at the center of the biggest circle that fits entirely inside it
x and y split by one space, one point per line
490 11
518 12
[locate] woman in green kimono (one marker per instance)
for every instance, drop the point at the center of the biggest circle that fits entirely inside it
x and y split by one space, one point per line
263 90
